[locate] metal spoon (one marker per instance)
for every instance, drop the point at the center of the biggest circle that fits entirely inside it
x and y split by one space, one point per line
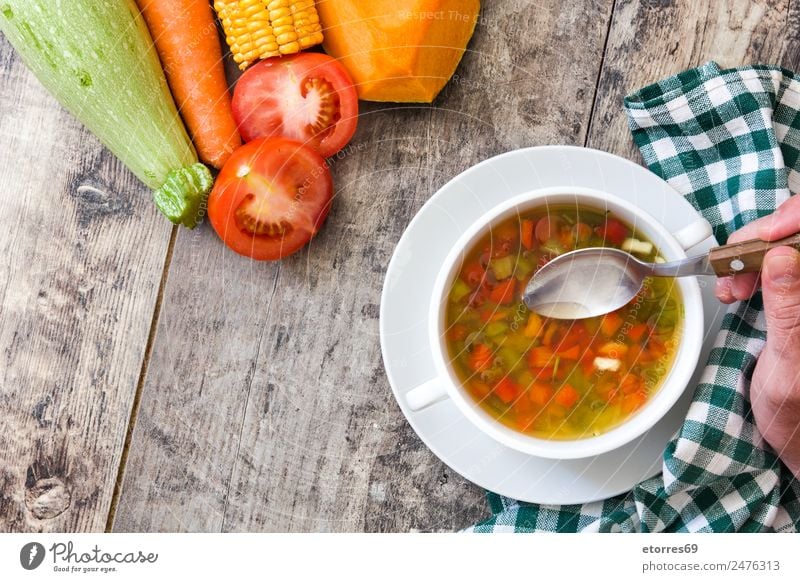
594 281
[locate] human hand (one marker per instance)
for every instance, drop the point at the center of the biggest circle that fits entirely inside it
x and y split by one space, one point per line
775 388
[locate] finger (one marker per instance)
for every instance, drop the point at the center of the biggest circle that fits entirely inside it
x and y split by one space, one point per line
722 290
749 231
783 222
743 286
780 282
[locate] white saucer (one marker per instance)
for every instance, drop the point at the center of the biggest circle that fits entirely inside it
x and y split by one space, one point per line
404 308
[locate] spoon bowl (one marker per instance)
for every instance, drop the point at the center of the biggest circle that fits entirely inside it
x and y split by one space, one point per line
595 281
584 283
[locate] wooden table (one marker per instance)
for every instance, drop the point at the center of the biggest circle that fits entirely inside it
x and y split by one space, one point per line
151 380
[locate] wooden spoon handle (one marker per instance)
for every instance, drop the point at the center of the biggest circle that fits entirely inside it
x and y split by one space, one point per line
746 256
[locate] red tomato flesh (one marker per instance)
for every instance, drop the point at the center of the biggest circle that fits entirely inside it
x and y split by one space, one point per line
270 198
307 97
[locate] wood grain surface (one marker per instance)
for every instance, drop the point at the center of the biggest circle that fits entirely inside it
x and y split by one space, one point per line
268 409
263 404
82 252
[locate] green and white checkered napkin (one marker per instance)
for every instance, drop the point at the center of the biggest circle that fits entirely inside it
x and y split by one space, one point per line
729 141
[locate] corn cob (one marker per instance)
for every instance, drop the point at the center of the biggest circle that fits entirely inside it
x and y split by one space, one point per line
259 29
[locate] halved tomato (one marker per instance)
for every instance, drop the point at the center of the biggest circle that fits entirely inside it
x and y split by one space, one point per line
307 97
270 198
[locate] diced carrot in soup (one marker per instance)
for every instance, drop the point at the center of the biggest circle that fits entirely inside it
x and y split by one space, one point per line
481 358
526 234
567 396
540 393
541 376
506 390
541 357
504 293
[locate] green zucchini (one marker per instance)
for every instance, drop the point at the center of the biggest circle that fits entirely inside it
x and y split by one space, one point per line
98 60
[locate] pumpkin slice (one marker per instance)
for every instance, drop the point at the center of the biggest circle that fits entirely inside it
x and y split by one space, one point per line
398 51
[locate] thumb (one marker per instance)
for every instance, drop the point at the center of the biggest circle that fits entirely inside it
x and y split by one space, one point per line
780 284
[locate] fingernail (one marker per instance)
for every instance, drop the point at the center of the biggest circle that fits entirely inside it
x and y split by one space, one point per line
722 288
782 268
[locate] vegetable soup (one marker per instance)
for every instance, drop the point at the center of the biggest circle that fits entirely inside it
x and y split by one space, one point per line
553 378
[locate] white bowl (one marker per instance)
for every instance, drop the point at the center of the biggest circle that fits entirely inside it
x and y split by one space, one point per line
672 247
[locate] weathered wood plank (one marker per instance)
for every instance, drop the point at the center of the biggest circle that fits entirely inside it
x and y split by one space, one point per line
266 406
651 39
82 257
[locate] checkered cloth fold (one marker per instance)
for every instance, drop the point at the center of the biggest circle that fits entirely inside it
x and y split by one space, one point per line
729 141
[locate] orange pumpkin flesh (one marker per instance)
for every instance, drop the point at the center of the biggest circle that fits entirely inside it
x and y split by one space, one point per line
398 51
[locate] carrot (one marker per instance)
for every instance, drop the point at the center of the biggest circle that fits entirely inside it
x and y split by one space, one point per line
526 234
541 357
633 402
611 323
506 390
542 373
503 294
185 35
540 394
481 358
567 396
573 353
458 332
630 384
637 331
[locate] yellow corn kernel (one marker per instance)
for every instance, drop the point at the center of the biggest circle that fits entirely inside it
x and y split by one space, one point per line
259 29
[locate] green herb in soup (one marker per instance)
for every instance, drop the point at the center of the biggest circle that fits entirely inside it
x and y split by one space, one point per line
554 378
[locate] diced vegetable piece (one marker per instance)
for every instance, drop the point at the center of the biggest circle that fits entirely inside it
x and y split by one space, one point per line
504 294
638 331
395 51
97 59
607 364
613 231
481 358
659 259
496 328
613 349
534 326
473 274
549 332
542 374
502 268
526 233
633 402
510 357
493 314
506 390
540 393
567 396
459 291
541 357
611 323
259 29
457 332
572 353
630 384
637 247
547 228
581 233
